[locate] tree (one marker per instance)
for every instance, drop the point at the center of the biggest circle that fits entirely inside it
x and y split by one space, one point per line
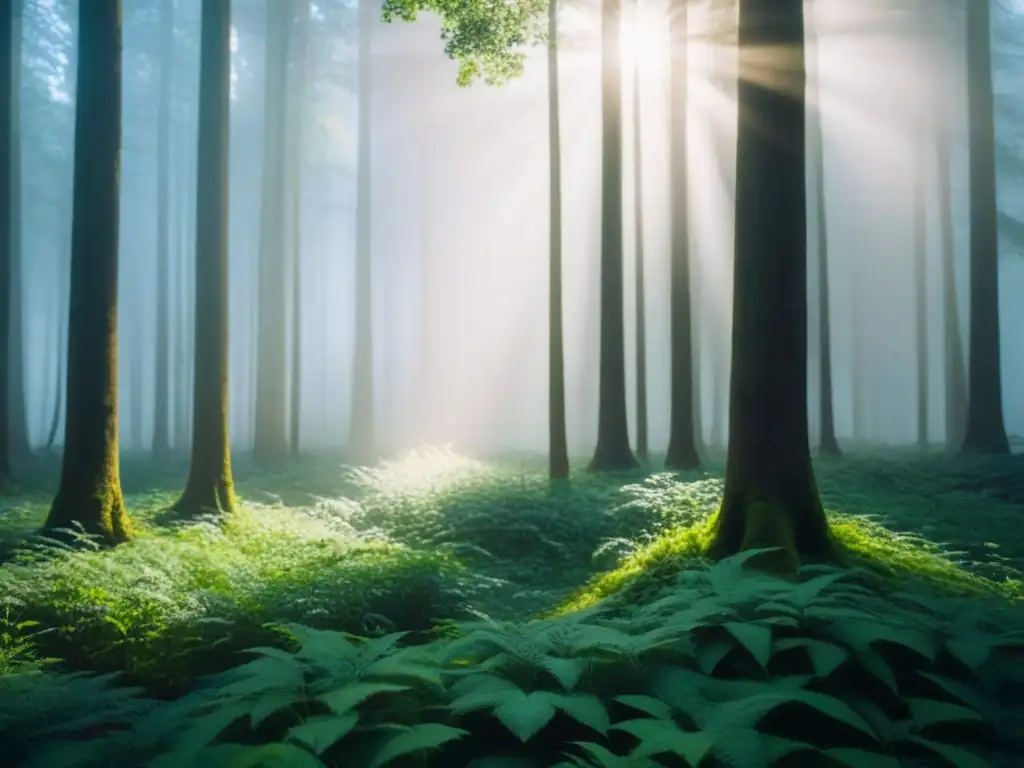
641 310
558 442
162 346
210 486
829 444
362 440
921 294
90 486
955 374
770 497
270 440
682 445
7 97
985 429
298 92
612 451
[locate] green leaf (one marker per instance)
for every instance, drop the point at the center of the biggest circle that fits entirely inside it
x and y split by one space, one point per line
648 704
584 708
756 639
566 671
322 732
971 650
835 709
711 652
268 704
503 762
928 712
525 715
955 756
402 669
661 736
876 666
416 738
205 729
825 657
859 758
776 748
278 755
350 696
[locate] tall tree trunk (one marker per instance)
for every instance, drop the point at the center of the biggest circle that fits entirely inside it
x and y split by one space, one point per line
682 444
558 442
60 345
613 451
770 499
298 91
270 440
829 444
162 371
90 485
921 295
210 487
136 379
956 375
362 438
8 95
642 447
985 431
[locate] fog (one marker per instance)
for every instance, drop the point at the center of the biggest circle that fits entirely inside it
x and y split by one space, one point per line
459 205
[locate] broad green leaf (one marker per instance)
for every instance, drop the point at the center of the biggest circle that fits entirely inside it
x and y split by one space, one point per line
566 671
278 755
859 758
875 665
972 649
525 716
322 732
756 639
268 704
661 737
835 709
711 652
350 696
825 657
584 708
648 704
957 757
417 738
928 712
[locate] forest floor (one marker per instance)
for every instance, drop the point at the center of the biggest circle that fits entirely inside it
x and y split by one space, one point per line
415 544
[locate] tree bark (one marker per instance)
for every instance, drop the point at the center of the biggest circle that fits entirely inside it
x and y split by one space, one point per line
829 444
612 452
298 90
362 438
558 442
682 445
270 440
162 372
642 447
210 487
90 486
985 430
770 499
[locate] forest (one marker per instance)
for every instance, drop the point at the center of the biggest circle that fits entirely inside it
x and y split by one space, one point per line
511 383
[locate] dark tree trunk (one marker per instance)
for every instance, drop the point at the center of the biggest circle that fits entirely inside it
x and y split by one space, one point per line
682 444
558 442
162 345
270 440
20 446
362 439
613 451
771 499
956 375
829 444
210 487
921 296
7 112
985 430
642 447
90 486
298 91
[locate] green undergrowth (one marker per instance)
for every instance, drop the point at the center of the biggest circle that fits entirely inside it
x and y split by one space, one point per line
729 668
183 600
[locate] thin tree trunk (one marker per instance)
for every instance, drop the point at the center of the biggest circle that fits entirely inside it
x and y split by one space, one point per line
986 430
210 487
956 375
7 256
829 444
558 444
162 371
642 447
90 486
270 440
612 452
921 296
770 497
682 446
299 91
362 438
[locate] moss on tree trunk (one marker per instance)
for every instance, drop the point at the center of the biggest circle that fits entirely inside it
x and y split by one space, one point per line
771 499
90 487
210 488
